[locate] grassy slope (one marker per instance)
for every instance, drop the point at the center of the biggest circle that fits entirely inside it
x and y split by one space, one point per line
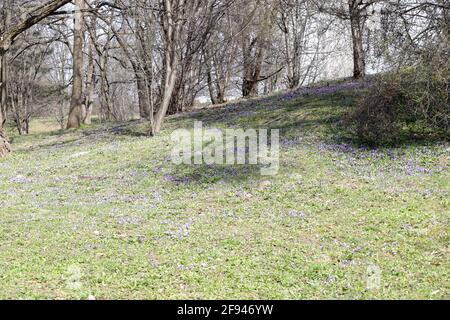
108 202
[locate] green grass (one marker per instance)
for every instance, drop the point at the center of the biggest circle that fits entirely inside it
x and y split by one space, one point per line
102 211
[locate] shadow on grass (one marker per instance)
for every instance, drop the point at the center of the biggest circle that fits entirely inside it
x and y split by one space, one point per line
187 175
316 116
348 136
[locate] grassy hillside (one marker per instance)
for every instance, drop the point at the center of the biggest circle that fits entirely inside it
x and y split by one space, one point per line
103 212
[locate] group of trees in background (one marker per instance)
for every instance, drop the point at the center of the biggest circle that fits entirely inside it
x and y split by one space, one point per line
120 58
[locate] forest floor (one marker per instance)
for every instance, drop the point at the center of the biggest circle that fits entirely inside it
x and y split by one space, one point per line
102 212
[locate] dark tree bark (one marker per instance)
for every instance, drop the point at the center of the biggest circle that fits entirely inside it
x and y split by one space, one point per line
77 101
90 78
356 24
143 95
253 52
3 64
3 87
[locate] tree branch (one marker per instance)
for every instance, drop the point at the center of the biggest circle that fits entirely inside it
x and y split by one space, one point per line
28 20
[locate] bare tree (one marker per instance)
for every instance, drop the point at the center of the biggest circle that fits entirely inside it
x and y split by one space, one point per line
255 41
26 93
186 28
304 35
136 37
356 13
171 23
220 54
7 37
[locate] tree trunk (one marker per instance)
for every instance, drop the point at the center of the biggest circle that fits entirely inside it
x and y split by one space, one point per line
4 64
3 86
212 94
90 95
171 29
177 101
359 61
252 71
144 99
5 147
77 103
106 112
90 80
169 86
23 126
216 88
292 77
144 76
221 89
249 88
